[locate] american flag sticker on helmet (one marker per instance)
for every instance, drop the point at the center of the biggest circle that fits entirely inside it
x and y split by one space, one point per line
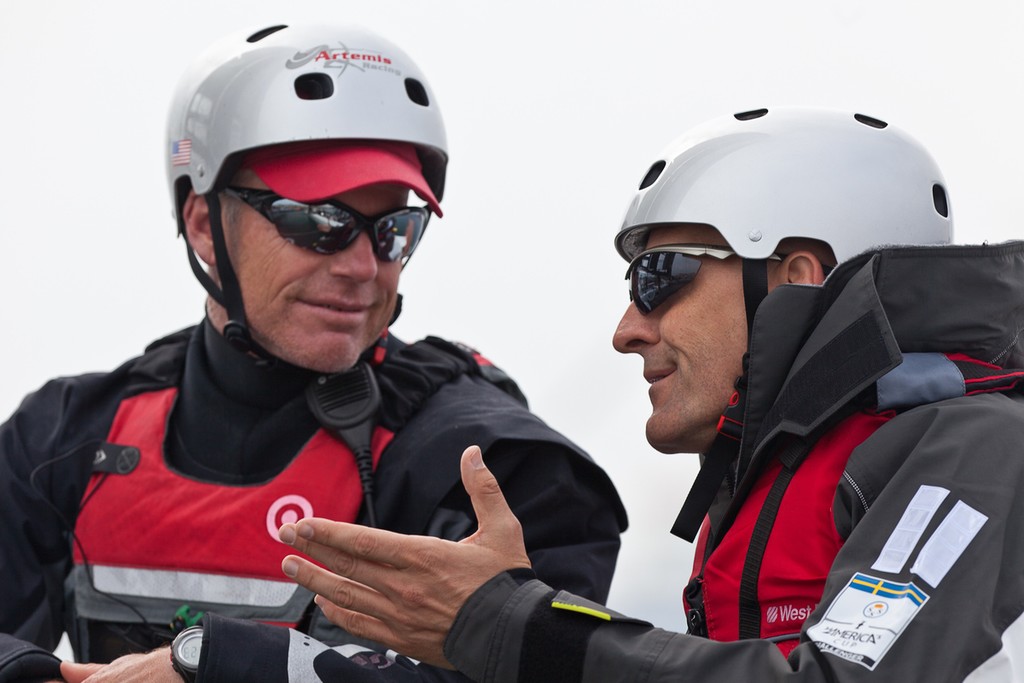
181 153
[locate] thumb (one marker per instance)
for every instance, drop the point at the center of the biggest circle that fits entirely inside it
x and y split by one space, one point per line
497 524
73 672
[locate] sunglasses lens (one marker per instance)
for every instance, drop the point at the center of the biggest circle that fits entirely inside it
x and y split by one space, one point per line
321 227
331 226
656 276
398 233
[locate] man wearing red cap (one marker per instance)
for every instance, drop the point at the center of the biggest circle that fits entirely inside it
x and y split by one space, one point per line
151 497
299 315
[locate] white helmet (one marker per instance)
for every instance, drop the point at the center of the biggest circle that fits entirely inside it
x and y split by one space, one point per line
287 84
757 177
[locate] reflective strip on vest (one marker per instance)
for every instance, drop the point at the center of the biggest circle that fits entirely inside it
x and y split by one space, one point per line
192 587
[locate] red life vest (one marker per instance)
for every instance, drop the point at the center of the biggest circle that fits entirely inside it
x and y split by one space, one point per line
801 547
156 534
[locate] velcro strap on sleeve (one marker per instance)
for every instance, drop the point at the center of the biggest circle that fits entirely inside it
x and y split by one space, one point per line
555 643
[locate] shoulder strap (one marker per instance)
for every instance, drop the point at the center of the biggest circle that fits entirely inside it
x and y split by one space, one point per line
791 456
481 366
162 362
413 373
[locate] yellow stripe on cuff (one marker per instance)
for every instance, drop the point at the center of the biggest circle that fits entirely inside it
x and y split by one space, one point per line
582 610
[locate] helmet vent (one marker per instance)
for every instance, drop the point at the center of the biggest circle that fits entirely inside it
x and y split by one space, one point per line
318 86
939 199
752 114
870 121
652 174
417 93
260 35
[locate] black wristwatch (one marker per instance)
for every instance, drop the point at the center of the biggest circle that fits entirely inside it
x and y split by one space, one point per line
185 651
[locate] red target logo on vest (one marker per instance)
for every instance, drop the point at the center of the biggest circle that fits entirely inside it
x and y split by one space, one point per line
287 510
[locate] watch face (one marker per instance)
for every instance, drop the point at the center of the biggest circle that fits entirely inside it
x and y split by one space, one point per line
187 647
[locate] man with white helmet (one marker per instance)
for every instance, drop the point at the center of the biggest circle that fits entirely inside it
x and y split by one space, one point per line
858 501
141 506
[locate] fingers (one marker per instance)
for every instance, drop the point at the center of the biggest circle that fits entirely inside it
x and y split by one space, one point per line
484 492
356 623
352 606
415 629
73 672
336 559
498 527
322 539
367 556
338 589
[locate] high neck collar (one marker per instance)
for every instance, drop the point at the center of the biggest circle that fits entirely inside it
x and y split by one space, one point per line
248 379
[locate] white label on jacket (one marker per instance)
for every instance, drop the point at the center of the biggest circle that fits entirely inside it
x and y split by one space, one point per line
866 618
908 532
948 542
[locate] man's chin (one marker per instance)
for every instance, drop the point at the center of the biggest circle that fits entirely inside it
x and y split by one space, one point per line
670 442
659 443
323 358
327 364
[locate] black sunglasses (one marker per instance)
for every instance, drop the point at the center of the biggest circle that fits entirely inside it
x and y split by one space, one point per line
328 226
656 274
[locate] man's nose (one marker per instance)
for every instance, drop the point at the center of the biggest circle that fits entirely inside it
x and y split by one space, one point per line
635 331
356 261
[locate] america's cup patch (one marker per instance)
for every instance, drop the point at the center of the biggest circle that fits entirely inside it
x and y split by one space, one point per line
866 618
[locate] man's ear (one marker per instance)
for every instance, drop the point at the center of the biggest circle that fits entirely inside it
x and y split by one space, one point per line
195 214
800 268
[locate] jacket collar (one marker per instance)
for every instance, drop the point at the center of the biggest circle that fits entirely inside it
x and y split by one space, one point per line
814 350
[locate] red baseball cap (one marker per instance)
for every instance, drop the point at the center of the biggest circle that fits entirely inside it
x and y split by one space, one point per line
308 171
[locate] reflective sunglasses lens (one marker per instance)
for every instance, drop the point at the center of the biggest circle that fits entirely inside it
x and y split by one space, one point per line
656 276
329 228
398 233
321 227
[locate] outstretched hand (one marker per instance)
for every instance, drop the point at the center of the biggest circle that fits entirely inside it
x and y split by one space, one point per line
405 591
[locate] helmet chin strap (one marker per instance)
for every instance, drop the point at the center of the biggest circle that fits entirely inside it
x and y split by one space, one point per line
755 288
229 294
726 446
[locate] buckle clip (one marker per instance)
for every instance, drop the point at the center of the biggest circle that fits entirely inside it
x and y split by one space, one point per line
730 424
185 618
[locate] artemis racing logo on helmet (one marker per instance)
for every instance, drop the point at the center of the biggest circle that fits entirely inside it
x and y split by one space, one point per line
341 58
783 613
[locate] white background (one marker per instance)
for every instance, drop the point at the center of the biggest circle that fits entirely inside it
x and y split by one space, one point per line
554 111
